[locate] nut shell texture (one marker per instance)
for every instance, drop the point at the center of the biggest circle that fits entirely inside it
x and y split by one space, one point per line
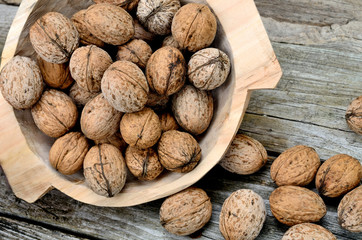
170 41
55 113
242 215
168 122
105 170
193 109
68 152
99 120
350 210
136 51
186 212
166 70
55 75
296 166
208 68
143 163
128 5
157 15
354 115
292 205
116 140
21 82
141 129
194 27
338 175
109 23
245 156
80 96
54 37
178 151
141 33
87 66
308 231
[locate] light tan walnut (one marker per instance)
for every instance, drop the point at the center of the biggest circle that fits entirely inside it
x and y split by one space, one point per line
55 113
168 122
68 152
186 212
128 5
354 115
136 51
21 82
55 75
170 41
54 37
308 231
116 140
81 96
350 209
105 170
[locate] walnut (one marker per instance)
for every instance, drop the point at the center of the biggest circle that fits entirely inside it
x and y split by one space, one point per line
116 140
166 70
68 152
208 68
99 120
168 122
136 51
245 156
109 23
157 102
141 129
292 205
54 37
350 209
245 205
87 66
55 113
55 75
21 82
194 27
128 5
308 231
157 15
85 36
354 115
338 175
105 170
80 96
178 151
170 41
193 109
141 33
143 163
296 166
186 212
125 87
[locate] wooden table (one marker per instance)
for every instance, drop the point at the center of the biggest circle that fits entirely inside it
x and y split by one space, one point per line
319 46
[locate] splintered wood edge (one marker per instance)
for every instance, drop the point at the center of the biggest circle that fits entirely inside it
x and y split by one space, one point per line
30 183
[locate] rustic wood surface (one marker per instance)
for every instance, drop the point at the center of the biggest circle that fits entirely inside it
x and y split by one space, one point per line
319 46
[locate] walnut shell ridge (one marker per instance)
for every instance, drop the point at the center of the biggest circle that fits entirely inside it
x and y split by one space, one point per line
116 140
136 51
105 170
67 153
193 109
21 82
99 120
55 75
245 156
80 96
338 175
354 115
350 209
54 37
194 27
178 151
186 212
289 205
109 23
55 113
296 166
242 215
308 231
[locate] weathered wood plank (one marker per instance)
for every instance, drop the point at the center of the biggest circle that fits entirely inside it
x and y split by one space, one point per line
7 13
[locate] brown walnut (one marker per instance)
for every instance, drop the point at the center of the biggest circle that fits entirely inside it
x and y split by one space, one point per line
354 115
55 75
350 209
141 33
136 51
168 122
308 231
157 102
81 96
170 41
128 5
116 140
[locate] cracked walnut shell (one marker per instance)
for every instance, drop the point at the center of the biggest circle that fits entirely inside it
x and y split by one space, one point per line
136 51
354 115
55 75
178 151
21 82
186 212
54 37
105 170
242 215
55 113
68 152
350 209
308 231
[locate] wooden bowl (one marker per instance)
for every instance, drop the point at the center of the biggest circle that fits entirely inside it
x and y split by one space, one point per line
24 149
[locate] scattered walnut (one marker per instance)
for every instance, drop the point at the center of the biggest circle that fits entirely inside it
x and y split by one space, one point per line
55 75
245 156
68 152
141 33
116 140
128 5
55 113
105 170
170 41
308 231
54 37
168 122
136 51
186 212
350 209
354 115
21 82
178 151
80 96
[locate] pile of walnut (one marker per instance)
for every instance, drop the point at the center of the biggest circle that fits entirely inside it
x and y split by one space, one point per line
143 99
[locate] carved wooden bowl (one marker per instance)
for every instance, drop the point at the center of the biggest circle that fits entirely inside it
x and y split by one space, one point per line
24 149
